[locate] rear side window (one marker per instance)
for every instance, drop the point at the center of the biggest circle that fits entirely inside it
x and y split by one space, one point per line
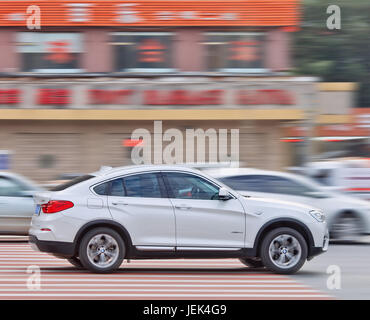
71 183
142 185
147 185
102 189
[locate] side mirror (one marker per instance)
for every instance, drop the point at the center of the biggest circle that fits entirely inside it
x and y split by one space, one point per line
224 195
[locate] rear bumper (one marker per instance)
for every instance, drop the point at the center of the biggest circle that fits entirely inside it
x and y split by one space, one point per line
65 249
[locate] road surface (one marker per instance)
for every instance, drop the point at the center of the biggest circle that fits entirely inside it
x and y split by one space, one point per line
141 279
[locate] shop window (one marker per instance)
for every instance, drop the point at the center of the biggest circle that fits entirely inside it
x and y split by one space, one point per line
235 52
143 51
50 52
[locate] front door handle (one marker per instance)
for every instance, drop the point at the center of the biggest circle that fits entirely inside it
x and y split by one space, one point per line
119 203
182 207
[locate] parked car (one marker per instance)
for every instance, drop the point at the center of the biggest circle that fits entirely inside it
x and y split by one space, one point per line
139 212
348 218
16 203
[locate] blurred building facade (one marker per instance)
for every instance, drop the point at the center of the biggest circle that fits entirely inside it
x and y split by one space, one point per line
72 92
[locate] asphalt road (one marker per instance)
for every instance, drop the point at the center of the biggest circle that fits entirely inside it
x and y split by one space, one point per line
181 279
353 261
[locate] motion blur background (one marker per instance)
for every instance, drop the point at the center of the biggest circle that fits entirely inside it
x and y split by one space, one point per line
72 92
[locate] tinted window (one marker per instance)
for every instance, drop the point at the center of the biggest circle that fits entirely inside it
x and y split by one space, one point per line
142 185
288 186
186 186
256 183
102 189
266 183
71 183
117 189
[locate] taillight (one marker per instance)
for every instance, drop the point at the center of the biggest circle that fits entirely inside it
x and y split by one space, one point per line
54 206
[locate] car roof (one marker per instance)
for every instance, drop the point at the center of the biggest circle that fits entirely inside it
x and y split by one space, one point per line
108 171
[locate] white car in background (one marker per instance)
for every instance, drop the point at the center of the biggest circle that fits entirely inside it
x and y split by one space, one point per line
348 218
16 203
143 212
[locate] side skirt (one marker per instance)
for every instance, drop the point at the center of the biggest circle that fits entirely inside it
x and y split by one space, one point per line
190 253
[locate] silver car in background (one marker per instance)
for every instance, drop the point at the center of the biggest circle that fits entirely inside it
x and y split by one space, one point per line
16 203
348 218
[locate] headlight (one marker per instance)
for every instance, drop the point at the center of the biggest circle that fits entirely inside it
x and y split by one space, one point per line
318 215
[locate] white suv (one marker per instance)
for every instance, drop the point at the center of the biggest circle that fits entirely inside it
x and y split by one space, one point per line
143 212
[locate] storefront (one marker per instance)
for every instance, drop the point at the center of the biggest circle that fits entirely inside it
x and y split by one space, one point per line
76 86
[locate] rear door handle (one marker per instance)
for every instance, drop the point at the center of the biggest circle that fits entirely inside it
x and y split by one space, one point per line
182 207
119 203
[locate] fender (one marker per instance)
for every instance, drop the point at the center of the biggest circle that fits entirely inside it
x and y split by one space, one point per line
100 223
281 222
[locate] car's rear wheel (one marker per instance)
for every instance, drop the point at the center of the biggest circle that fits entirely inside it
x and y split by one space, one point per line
283 250
102 250
75 261
346 228
252 262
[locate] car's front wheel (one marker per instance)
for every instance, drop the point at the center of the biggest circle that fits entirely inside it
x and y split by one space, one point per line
283 250
102 250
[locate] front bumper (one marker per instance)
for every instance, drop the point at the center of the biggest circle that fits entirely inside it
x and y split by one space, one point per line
315 251
65 249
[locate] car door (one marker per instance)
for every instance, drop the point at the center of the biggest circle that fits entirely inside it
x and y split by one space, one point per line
139 202
202 220
16 207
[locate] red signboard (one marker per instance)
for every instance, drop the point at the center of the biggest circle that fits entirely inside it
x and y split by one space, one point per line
153 13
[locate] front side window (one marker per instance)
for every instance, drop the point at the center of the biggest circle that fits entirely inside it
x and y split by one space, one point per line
235 51
143 51
50 52
186 186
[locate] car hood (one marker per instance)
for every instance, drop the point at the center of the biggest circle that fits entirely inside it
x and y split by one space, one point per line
269 202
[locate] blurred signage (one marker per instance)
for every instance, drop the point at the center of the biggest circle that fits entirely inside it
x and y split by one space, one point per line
142 96
53 96
9 96
183 97
265 96
152 13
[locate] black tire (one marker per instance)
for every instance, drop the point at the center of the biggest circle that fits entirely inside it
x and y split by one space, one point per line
119 249
252 262
75 262
272 264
